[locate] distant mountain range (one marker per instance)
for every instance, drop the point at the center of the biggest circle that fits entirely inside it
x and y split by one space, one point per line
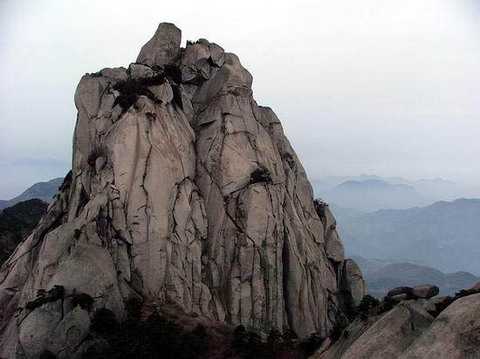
444 235
41 190
382 276
370 193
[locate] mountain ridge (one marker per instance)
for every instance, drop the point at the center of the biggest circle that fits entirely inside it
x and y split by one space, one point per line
443 234
44 191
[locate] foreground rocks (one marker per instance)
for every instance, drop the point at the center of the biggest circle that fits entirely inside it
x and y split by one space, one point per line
183 190
425 291
411 323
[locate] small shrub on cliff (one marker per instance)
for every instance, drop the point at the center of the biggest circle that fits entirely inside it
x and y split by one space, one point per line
367 307
131 89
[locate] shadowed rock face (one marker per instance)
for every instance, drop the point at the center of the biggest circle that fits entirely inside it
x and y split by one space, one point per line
183 190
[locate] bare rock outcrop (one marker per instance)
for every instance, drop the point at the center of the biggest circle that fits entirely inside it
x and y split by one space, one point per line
407 325
386 337
183 190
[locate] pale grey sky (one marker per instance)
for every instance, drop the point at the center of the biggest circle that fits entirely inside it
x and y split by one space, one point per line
374 86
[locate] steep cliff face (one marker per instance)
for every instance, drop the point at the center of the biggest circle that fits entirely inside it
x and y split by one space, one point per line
183 190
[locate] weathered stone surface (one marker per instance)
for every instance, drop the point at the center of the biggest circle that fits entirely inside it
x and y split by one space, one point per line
400 290
69 333
352 283
388 337
436 305
181 191
399 297
139 71
455 333
409 331
163 48
333 244
163 92
347 338
425 291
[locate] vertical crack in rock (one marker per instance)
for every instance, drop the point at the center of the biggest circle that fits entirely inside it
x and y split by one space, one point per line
182 190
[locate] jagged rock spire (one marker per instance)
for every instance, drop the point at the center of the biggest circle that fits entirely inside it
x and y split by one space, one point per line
163 48
183 190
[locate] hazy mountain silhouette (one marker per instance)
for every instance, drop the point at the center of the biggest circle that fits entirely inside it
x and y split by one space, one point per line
444 235
41 190
370 192
382 276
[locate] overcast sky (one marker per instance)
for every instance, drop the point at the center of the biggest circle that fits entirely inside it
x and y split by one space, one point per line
382 87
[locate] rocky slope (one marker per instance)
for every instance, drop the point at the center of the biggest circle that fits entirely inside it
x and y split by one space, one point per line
183 190
17 222
412 323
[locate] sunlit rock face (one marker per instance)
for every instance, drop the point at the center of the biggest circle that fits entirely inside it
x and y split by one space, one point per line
183 190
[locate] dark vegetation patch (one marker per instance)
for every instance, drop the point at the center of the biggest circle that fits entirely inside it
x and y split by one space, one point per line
249 344
160 336
43 297
174 73
17 222
370 306
155 337
260 175
130 90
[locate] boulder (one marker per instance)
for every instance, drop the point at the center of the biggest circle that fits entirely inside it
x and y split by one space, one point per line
70 332
425 291
139 71
352 283
163 92
389 336
399 297
455 333
163 48
400 290
436 305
